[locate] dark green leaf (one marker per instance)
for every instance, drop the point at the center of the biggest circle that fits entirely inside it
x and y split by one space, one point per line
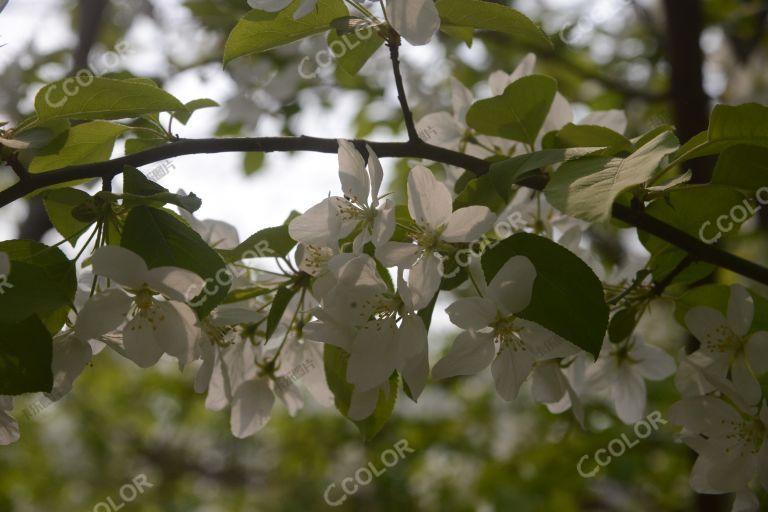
25 357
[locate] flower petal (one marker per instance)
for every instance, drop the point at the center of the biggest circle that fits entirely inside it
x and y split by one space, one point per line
653 362
415 20
424 281
175 283
384 223
413 354
710 327
373 356
472 313
746 384
251 408
363 403
376 173
120 265
429 201
471 352
704 415
320 225
629 396
512 286
468 224
548 383
102 314
141 345
741 310
509 370
354 179
757 352
177 332
9 429
398 254
70 357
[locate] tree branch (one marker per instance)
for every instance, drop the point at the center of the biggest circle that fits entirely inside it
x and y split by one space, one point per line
413 149
394 53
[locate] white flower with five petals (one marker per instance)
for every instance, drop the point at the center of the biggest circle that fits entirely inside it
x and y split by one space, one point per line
431 207
621 371
732 447
727 344
334 218
151 326
492 328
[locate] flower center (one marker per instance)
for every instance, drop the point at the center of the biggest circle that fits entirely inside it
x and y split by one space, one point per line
722 340
749 435
507 336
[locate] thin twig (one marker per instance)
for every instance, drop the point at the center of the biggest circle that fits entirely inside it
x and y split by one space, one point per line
394 53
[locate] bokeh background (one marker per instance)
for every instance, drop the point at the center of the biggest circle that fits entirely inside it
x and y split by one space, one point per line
662 61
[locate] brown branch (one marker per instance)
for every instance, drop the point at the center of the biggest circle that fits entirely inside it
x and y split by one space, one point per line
414 149
394 53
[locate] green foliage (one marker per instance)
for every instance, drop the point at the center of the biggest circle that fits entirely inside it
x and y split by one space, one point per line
103 98
259 31
519 113
464 15
43 283
688 210
60 204
25 357
82 144
268 243
587 188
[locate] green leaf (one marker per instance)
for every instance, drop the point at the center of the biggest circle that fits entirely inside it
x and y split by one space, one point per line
141 191
279 304
259 31
59 204
519 113
162 240
567 296
192 107
465 34
481 191
586 188
716 296
592 136
694 210
43 283
742 167
142 144
623 322
728 126
26 352
253 163
490 16
136 183
268 243
352 50
82 144
507 173
104 98
336 375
